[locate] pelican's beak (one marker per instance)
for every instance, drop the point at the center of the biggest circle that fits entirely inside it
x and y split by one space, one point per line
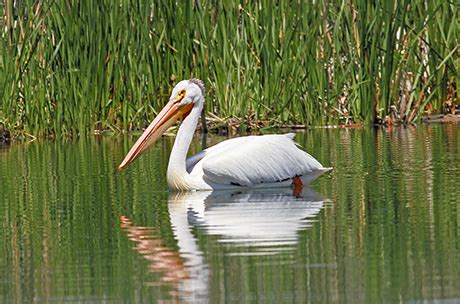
166 118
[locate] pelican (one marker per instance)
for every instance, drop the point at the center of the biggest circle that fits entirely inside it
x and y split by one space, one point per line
266 161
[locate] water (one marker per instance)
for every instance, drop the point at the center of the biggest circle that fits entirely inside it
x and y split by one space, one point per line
383 226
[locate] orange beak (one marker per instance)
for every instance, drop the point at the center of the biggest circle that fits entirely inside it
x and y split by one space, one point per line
166 118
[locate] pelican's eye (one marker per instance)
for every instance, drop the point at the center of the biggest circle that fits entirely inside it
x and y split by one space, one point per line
180 96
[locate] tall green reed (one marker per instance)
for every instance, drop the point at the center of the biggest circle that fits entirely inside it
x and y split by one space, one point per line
75 67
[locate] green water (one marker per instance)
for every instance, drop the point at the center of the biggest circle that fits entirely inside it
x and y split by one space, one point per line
383 226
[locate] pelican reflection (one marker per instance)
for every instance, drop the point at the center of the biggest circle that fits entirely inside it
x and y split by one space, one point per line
251 222
264 220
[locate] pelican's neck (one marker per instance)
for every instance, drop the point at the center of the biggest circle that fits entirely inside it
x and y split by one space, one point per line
177 172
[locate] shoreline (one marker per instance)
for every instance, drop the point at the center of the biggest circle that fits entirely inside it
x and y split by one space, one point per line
234 126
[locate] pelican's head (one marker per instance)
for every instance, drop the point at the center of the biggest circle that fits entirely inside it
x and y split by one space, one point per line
185 95
188 91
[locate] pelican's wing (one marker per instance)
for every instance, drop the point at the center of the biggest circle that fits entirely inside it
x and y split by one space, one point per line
252 160
216 149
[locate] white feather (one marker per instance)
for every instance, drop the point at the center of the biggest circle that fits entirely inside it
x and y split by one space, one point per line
253 161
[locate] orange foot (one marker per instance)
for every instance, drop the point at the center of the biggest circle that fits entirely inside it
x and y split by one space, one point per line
298 186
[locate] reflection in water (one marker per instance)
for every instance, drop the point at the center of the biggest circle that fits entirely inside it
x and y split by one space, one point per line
263 219
184 270
162 258
267 221
4 146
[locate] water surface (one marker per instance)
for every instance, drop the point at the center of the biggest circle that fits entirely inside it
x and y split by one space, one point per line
383 226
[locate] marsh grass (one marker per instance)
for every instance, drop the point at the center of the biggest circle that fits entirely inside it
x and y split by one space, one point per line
70 68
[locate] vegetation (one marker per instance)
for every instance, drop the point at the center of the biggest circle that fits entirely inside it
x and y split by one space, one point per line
72 67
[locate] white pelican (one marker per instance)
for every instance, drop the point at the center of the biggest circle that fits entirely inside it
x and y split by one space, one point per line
245 162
